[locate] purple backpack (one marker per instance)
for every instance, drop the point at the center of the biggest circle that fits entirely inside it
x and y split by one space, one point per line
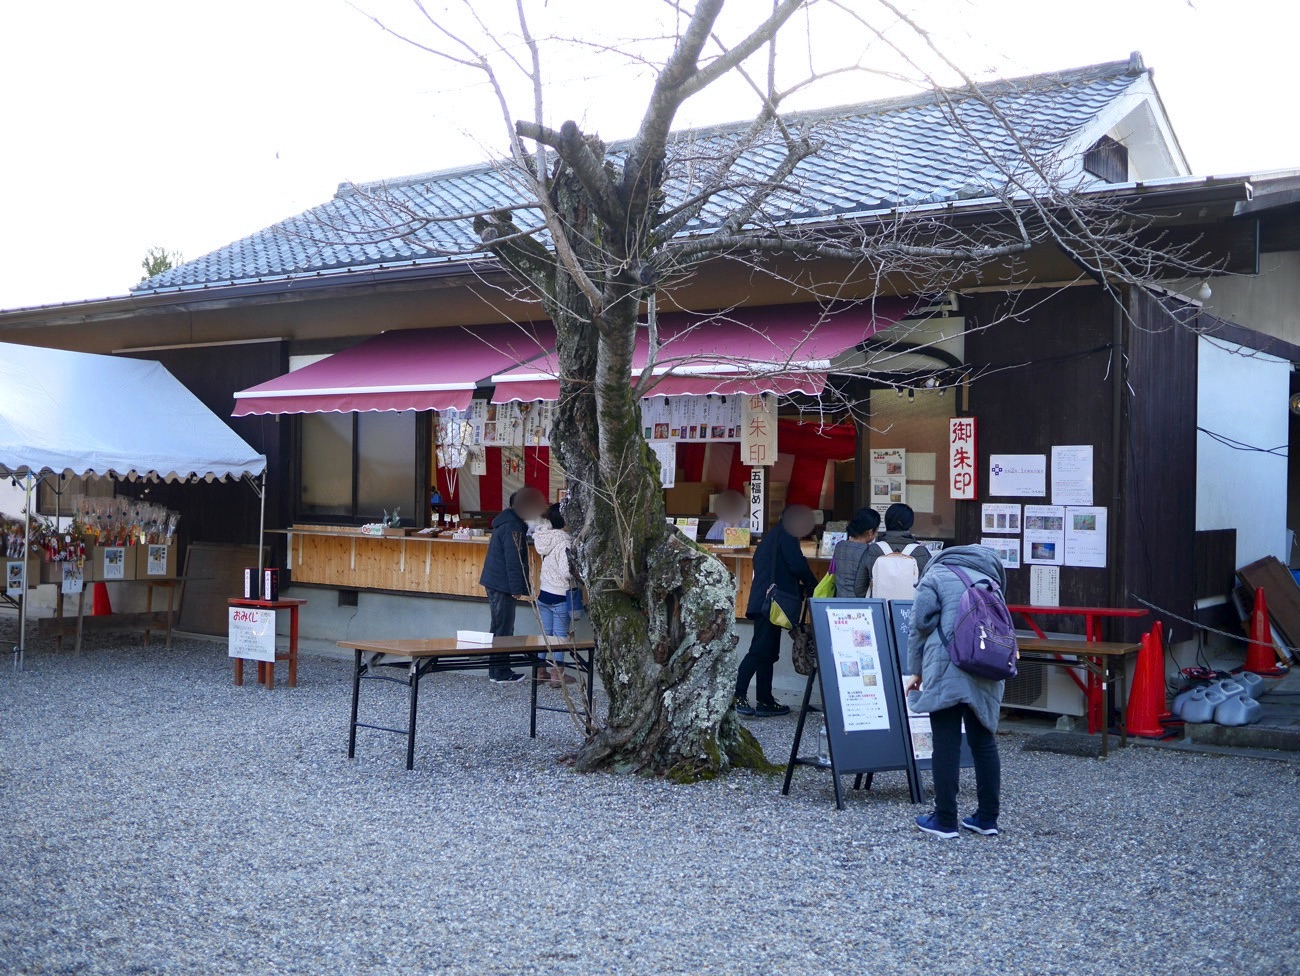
983 642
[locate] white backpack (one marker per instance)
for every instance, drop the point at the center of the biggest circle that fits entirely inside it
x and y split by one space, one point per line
895 574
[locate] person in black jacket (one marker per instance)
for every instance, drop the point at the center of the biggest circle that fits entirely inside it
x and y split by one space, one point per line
506 568
779 562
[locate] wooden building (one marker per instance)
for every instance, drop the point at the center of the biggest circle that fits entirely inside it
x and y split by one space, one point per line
1036 352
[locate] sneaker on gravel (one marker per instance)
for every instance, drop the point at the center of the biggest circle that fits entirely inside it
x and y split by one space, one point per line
508 678
743 707
770 709
929 824
977 824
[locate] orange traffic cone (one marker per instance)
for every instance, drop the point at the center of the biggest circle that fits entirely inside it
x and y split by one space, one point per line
100 607
1260 656
1147 699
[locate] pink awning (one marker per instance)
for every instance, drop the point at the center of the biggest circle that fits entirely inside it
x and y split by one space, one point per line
417 369
780 349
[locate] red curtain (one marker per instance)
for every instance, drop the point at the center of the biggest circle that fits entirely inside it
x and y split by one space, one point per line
812 445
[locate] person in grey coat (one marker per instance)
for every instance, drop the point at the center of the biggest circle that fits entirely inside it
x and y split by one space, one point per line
951 695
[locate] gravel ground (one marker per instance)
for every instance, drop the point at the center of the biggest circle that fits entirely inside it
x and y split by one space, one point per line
157 819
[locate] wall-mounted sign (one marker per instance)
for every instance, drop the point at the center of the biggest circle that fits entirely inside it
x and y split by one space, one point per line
1018 475
758 430
963 482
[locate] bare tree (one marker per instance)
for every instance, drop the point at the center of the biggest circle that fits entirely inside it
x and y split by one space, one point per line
599 235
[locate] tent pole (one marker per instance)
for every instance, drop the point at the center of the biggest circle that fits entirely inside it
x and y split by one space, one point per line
261 530
21 650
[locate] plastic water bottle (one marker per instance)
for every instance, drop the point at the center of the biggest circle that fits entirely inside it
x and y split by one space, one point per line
823 745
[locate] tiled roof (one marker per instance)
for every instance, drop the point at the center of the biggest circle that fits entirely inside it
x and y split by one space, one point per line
877 156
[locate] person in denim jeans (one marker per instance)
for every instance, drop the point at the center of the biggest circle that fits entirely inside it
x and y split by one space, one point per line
553 543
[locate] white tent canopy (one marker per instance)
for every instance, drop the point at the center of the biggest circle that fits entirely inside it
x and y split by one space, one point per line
80 414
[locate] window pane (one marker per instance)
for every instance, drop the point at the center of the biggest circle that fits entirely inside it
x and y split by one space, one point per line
920 425
326 464
386 465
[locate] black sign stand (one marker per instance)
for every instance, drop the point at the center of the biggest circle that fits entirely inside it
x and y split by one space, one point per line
860 752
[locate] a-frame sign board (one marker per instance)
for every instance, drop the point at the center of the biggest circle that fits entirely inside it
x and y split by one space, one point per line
862 695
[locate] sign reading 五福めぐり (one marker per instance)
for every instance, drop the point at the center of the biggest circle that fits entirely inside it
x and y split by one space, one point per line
252 634
962 482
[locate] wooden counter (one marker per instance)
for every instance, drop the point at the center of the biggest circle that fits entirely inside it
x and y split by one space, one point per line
400 564
339 557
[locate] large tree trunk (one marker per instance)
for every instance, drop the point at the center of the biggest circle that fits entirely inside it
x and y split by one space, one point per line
662 608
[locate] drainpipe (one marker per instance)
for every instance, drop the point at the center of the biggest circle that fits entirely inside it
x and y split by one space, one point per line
1118 456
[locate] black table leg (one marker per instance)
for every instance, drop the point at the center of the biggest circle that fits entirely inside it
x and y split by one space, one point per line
356 693
410 726
532 720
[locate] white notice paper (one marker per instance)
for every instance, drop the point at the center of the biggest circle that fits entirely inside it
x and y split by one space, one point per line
1018 475
1045 534
1000 518
666 452
1008 550
1085 537
114 563
857 669
252 634
73 581
921 498
1072 475
920 466
1045 586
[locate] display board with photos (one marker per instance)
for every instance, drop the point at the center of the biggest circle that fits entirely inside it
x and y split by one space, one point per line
863 706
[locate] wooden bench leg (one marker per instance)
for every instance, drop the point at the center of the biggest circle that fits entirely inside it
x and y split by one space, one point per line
239 672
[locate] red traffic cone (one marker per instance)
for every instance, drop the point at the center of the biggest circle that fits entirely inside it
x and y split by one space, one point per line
1260 656
1147 699
100 607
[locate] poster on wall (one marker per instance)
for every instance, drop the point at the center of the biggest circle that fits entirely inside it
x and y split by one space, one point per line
888 477
114 563
856 649
889 463
14 578
1045 586
73 580
1072 475
1018 475
666 452
962 481
758 430
1044 535
1085 537
1000 518
1008 550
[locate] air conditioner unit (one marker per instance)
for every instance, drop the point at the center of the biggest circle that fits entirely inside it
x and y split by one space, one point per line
1045 688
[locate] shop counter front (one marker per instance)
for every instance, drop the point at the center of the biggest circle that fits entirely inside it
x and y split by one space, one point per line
741 564
347 559
350 560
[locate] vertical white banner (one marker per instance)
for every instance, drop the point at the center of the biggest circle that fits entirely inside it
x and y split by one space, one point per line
962 480
758 430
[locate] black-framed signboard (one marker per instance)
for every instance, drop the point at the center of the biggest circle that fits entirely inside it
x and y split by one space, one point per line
862 694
